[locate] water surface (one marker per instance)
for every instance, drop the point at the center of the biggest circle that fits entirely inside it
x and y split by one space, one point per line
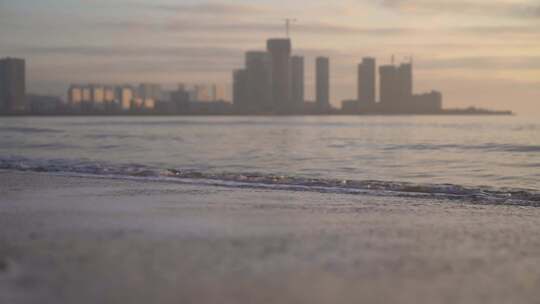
499 152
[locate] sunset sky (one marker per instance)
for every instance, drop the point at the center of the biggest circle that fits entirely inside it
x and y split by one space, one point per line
477 52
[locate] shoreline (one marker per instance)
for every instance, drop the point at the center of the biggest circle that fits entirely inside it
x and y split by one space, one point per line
255 115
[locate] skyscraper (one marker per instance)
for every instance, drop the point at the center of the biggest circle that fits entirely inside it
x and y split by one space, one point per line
388 87
323 82
259 82
405 81
396 87
240 91
367 80
125 96
13 85
280 53
297 82
75 95
149 91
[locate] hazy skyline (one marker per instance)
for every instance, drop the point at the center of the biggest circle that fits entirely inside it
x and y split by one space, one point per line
477 52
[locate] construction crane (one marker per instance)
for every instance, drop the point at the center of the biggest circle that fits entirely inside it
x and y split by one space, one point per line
288 22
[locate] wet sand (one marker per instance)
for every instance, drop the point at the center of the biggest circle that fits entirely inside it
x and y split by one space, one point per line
88 240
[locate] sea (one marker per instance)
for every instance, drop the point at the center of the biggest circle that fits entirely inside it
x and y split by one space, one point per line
491 159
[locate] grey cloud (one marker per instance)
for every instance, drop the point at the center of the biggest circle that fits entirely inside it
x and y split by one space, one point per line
483 63
315 28
190 26
497 8
210 8
127 51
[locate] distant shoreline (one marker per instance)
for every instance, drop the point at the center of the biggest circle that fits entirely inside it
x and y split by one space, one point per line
444 113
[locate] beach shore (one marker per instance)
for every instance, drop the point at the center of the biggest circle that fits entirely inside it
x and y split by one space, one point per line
96 240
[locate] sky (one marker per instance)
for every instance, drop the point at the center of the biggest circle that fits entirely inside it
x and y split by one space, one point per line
484 53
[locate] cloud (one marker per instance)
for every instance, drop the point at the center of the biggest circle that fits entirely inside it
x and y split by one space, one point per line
188 25
127 52
198 27
472 7
484 63
209 8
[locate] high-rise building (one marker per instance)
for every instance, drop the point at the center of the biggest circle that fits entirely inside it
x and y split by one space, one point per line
388 86
405 77
367 80
86 94
322 82
240 91
280 53
13 85
109 94
259 81
203 92
297 81
149 91
98 97
75 95
396 88
98 94
125 96
180 100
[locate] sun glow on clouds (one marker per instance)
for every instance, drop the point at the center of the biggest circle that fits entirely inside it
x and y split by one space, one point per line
456 43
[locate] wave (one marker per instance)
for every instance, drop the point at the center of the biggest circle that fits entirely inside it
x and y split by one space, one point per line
488 147
476 195
29 130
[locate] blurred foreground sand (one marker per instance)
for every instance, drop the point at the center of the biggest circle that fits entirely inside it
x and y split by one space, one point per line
86 240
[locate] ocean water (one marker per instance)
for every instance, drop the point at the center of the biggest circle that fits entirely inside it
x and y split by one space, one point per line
492 158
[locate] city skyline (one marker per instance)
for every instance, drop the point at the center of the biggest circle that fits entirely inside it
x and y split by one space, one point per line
271 82
460 52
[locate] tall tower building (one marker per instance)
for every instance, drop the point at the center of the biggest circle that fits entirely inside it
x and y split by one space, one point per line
149 91
280 53
396 87
13 85
322 82
125 96
240 91
297 81
75 95
405 81
259 81
388 87
367 80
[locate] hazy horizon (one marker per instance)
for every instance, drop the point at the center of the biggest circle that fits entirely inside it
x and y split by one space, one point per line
481 53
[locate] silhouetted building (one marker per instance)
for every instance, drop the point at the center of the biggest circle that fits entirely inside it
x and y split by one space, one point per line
210 108
125 96
43 105
149 91
241 91
180 101
297 82
396 87
367 80
405 81
98 94
280 53
75 96
258 82
322 82
427 103
86 94
388 87
13 86
203 93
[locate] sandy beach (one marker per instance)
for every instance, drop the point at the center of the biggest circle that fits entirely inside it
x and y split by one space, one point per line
96 240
